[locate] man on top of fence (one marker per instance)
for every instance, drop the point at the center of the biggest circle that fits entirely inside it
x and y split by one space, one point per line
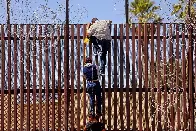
93 86
93 124
99 34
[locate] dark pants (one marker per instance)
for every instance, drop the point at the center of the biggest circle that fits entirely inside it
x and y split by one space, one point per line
103 50
94 89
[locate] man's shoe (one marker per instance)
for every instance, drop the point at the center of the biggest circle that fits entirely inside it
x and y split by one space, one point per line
95 54
100 53
98 116
102 73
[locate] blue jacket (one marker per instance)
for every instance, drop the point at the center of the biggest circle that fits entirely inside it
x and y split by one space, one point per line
90 71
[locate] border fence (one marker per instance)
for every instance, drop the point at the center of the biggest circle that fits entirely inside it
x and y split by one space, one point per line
147 85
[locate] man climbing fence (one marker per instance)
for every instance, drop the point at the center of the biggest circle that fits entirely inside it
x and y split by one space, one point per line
99 34
93 86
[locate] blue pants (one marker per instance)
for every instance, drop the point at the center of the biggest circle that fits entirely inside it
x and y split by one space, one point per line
94 89
105 44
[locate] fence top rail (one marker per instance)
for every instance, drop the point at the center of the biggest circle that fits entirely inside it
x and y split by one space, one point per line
83 23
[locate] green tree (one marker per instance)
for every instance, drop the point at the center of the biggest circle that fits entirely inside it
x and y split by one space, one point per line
144 11
180 10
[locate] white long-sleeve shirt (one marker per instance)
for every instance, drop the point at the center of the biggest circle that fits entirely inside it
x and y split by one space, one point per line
100 29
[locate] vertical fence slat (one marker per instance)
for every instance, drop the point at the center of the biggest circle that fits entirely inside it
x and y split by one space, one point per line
109 89
133 78
121 77
115 77
34 78
2 75
190 76
165 78
72 77
59 77
15 77
103 99
127 77
152 78
184 79
84 79
65 80
158 76
28 75
194 72
21 78
90 50
78 77
145 44
9 77
194 75
177 77
140 76
171 78
66 74
40 78
46 77
53 80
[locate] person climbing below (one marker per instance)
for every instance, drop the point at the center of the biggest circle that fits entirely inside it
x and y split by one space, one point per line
93 124
93 86
98 33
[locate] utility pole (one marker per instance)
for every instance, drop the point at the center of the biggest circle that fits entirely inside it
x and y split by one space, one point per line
67 35
66 66
8 11
190 74
127 11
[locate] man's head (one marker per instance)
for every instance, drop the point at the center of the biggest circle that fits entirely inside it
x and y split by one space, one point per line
88 60
91 117
93 20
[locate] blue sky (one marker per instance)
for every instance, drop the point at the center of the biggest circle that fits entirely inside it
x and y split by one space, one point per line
81 11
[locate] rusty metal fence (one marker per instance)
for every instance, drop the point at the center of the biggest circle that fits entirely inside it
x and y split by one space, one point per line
146 85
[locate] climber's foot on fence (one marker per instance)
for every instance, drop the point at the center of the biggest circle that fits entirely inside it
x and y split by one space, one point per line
98 115
102 72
